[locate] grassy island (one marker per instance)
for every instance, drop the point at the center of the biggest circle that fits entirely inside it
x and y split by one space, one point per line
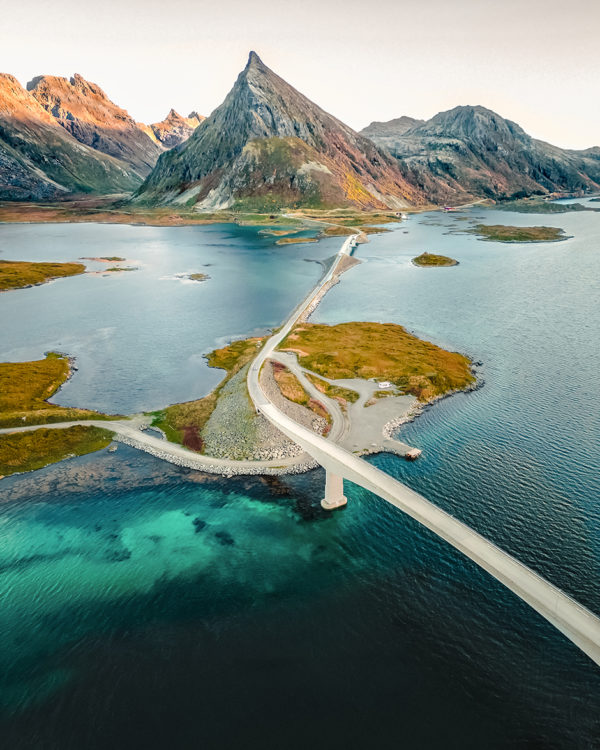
429 260
27 451
24 390
295 240
19 274
383 351
198 277
26 386
502 233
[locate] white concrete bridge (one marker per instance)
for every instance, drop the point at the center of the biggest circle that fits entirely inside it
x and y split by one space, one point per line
576 622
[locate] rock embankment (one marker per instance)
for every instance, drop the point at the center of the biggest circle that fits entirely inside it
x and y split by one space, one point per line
235 431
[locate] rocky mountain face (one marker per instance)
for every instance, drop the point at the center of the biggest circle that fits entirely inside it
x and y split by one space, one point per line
268 146
83 110
40 160
391 129
472 152
175 129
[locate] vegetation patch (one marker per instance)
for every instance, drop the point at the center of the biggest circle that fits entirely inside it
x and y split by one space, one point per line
343 395
380 351
27 451
428 260
182 423
502 233
198 277
540 206
25 388
292 389
18 274
117 269
296 240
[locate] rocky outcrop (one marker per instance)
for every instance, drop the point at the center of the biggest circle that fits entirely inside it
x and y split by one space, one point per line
391 129
268 146
85 112
472 152
175 129
40 160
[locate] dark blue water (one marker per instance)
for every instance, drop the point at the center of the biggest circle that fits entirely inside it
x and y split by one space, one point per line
142 605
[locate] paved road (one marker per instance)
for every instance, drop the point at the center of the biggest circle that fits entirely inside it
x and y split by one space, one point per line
576 622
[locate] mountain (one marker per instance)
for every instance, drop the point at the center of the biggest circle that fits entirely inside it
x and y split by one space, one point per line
472 152
175 129
40 160
391 129
83 110
268 146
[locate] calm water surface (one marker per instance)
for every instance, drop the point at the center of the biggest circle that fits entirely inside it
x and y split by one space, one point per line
143 605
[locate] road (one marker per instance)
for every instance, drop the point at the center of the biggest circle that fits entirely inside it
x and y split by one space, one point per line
576 622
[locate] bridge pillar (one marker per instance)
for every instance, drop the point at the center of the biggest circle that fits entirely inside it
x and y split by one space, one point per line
334 492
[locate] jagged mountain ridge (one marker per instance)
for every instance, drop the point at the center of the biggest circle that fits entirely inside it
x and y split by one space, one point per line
39 160
268 145
472 152
175 129
85 111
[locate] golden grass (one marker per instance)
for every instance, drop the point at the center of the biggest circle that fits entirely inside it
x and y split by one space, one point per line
292 389
183 422
296 240
430 259
343 395
18 274
25 388
27 451
381 351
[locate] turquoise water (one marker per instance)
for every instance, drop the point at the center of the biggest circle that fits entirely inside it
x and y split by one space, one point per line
143 605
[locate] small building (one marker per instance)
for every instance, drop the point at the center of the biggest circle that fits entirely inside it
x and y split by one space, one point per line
384 384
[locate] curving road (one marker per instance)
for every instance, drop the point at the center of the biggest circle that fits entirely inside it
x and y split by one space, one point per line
576 622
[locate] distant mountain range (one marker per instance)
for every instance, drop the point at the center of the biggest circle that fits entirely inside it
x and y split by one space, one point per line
63 136
268 147
472 152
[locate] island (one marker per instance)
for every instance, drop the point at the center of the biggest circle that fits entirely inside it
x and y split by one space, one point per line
430 260
198 277
21 274
25 388
503 233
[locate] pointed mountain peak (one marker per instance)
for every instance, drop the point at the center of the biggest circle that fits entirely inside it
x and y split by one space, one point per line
254 60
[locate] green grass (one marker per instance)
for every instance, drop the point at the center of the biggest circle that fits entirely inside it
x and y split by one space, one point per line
502 233
380 351
539 206
18 274
430 260
27 451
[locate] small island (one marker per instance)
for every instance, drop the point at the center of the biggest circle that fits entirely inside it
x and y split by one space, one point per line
198 277
16 274
296 240
503 233
118 269
430 260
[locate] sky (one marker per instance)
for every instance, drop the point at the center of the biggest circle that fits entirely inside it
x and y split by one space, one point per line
536 62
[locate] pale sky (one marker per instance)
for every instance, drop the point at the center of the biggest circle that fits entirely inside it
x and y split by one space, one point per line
533 61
